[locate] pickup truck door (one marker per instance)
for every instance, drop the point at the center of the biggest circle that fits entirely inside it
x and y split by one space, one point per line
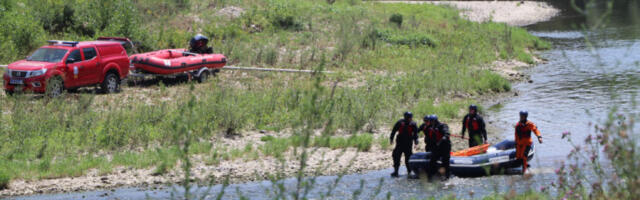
74 65
91 71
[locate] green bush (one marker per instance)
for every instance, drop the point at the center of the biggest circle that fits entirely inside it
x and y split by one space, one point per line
267 138
492 82
322 141
338 143
285 14
413 39
275 147
21 33
402 38
396 19
231 110
383 141
362 142
55 16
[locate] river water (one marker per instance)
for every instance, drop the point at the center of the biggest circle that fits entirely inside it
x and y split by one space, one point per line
577 86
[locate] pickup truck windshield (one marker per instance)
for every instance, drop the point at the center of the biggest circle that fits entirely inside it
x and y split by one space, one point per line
48 55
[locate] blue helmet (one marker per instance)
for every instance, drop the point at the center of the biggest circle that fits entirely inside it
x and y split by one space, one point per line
408 114
524 113
473 107
434 117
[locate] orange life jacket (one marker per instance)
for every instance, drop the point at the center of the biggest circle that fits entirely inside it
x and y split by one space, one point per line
523 132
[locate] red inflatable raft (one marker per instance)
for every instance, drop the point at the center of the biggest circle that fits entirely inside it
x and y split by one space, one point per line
172 61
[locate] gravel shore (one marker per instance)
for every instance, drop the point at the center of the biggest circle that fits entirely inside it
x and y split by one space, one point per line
514 13
321 161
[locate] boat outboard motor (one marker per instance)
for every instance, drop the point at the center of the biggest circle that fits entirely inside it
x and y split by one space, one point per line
198 44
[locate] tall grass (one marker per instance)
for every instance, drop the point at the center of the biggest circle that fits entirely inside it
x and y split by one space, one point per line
379 75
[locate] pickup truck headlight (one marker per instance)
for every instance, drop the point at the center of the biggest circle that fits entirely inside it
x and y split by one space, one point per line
7 72
36 73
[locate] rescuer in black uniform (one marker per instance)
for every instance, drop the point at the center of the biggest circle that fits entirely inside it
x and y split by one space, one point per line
438 133
407 136
425 128
476 126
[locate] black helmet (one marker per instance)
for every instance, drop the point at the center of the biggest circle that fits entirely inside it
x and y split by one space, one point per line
199 37
408 114
473 107
524 112
427 117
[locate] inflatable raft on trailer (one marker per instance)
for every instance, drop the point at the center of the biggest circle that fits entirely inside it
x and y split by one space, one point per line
495 160
170 62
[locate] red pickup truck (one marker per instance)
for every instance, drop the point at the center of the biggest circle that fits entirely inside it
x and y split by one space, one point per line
70 65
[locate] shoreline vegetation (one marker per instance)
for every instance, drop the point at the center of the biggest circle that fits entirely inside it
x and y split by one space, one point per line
388 58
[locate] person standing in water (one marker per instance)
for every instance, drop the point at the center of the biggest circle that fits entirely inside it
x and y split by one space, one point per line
438 133
427 129
407 137
523 131
475 124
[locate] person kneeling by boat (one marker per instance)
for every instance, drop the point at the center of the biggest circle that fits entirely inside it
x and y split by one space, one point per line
438 133
523 138
476 126
407 136
198 44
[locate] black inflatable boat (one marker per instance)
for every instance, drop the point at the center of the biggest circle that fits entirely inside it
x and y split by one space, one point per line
496 160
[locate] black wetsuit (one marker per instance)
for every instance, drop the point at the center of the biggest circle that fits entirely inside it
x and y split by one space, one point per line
476 126
407 135
439 133
430 143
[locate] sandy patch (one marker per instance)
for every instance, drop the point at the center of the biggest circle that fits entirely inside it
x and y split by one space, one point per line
230 12
514 13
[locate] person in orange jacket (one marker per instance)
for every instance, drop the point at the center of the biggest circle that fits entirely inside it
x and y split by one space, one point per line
523 138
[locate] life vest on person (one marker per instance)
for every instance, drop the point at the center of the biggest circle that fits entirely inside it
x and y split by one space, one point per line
523 131
406 128
472 123
434 134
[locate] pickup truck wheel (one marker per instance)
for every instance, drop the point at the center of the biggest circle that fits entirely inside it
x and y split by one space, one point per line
204 76
8 92
111 83
54 87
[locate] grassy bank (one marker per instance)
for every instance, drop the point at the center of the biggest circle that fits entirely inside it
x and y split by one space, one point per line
388 57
